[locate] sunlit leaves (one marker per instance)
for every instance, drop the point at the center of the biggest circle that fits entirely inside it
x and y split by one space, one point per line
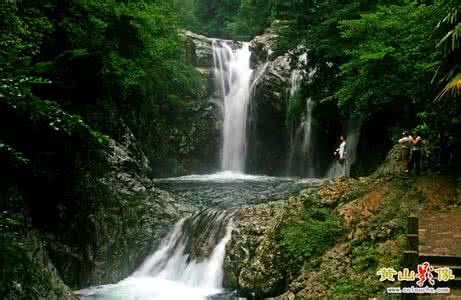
21 37
389 52
15 91
453 88
10 151
449 69
19 86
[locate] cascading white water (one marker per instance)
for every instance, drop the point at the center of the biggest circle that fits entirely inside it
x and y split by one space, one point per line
301 140
296 78
187 265
307 139
233 75
175 259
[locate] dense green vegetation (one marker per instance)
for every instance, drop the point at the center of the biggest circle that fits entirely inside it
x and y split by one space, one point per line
318 231
449 71
236 19
59 61
379 58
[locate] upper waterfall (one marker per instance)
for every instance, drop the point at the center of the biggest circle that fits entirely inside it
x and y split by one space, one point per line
233 75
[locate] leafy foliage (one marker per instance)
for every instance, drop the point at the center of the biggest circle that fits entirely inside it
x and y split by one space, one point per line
22 37
126 58
254 16
358 286
11 153
236 19
21 32
140 45
449 69
318 231
375 60
388 57
15 91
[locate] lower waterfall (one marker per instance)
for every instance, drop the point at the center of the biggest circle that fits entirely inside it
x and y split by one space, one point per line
187 265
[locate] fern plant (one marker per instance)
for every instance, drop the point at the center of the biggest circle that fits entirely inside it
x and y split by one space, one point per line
449 71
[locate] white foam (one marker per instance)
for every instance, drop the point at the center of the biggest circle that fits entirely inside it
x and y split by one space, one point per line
170 273
148 288
233 76
226 176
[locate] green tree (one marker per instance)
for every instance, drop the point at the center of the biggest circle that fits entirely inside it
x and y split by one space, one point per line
254 16
449 70
389 55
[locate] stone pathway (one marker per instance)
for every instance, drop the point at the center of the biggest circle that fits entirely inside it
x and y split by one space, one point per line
440 233
440 244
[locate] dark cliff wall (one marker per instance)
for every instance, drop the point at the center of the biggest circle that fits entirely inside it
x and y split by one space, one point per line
90 207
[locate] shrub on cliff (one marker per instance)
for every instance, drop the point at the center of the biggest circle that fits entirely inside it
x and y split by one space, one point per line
318 231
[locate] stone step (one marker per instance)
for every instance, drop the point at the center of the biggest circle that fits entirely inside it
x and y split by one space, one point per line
440 260
454 284
452 262
456 269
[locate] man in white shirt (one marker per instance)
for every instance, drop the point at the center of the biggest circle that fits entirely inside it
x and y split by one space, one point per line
341 156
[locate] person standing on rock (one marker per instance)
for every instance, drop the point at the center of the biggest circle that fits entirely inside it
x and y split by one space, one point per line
415 160
406 142
341 156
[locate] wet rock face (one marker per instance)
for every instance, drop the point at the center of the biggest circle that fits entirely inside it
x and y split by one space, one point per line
262 46
275 71
269 135
268 106
130 218
203 231
199 49
274 82
336 263
253 259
